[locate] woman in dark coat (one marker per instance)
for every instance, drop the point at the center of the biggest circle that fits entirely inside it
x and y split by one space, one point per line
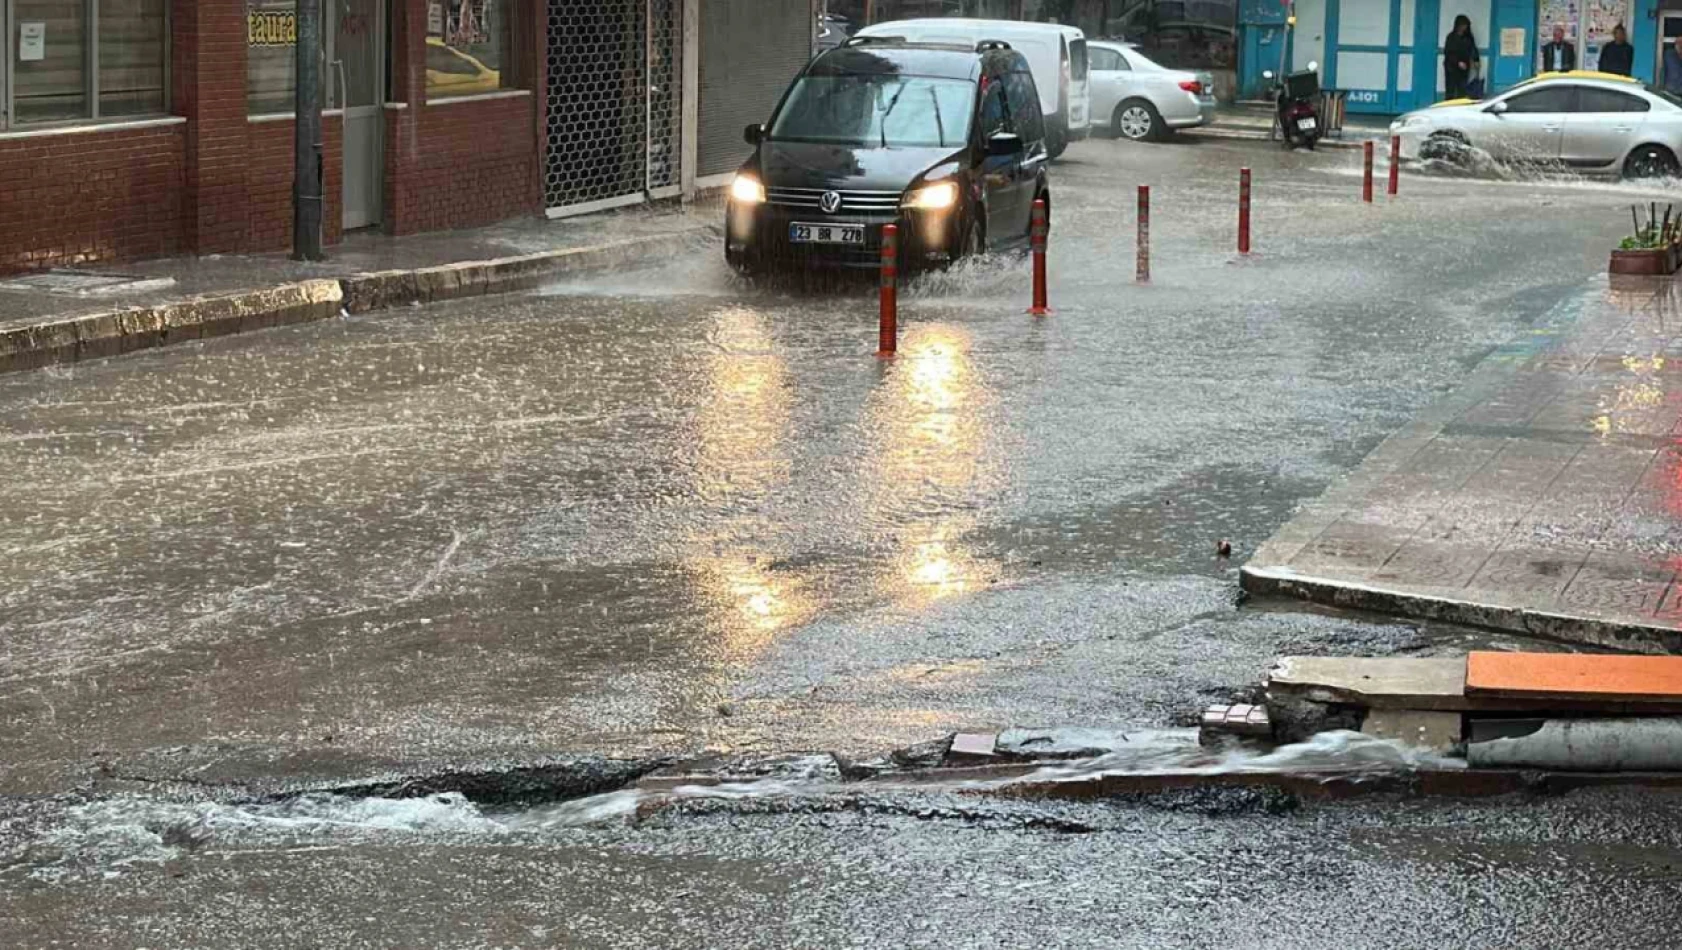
1460 56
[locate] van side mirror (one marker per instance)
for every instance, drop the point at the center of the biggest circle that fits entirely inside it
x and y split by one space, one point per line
1498 107
1004 143
753 134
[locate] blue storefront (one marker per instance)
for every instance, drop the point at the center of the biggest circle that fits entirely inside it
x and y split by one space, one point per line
1386 54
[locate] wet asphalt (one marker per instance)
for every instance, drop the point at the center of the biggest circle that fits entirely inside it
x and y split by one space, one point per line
662 511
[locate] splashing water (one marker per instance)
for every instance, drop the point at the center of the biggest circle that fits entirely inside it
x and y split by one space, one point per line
106 837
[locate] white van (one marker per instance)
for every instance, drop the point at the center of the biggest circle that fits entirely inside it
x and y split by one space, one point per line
1056 55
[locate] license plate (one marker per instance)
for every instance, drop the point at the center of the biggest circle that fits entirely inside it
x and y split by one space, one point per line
1307 125
825 233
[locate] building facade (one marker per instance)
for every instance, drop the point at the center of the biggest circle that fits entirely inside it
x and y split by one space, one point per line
134 128
1387 54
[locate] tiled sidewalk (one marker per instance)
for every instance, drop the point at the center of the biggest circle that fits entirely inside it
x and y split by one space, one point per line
1545 496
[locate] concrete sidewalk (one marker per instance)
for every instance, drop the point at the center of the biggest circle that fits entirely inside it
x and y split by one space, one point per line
101 310
1545 496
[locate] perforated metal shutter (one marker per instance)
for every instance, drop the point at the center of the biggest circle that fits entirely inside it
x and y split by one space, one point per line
614 68
750 49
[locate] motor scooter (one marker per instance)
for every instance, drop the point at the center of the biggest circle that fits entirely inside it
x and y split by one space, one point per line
1296 113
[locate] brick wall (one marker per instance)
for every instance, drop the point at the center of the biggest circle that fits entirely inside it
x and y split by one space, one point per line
90 196
263 202
220 183
460 165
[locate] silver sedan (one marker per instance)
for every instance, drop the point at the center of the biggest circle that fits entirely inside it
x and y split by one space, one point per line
1141 100
1587 121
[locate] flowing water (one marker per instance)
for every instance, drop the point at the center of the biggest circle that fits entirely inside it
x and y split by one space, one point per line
103 838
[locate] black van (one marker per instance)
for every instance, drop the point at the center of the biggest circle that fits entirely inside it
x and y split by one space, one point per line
945 141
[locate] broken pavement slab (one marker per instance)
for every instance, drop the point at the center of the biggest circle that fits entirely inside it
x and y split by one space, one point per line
1374 682
973 747
1438 731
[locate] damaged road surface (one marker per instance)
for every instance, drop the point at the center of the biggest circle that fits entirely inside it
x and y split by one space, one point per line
260 591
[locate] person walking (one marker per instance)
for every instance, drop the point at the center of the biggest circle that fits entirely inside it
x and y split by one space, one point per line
1460 56
1617 56
1559 56
1673 67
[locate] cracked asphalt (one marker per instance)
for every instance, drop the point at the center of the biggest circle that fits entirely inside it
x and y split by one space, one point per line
664 513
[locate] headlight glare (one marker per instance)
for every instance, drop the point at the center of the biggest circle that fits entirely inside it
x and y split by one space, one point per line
933 197
746 189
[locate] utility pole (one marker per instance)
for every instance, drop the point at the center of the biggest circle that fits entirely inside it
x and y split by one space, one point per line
306 140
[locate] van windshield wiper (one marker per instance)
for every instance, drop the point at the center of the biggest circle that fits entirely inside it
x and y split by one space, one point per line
889 111
940 126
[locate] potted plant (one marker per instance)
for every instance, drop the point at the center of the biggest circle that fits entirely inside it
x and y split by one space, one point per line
1655 249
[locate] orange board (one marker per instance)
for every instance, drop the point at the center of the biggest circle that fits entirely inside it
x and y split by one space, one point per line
1575 676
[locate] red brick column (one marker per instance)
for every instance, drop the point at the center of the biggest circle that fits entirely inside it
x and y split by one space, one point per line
208 42
408 86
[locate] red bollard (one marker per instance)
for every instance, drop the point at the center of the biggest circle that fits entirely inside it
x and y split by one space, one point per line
1395 164
888 322
1243 211
1144 271
1041 227
1366 174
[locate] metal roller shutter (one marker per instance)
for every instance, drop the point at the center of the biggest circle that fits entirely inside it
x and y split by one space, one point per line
750 49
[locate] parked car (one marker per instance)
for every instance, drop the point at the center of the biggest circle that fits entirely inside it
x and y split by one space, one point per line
1137 99
1584 120
947 142
1056 54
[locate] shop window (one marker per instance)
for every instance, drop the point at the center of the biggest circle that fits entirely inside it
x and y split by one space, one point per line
132 42
271 57
468 47
59 68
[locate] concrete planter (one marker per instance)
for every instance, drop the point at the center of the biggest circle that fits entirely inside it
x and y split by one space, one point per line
1655 262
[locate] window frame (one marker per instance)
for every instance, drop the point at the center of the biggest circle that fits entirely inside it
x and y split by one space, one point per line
1584 93
1092 54
1569 90
90 68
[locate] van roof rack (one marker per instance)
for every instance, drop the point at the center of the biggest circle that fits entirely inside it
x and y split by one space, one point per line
986 45
852 41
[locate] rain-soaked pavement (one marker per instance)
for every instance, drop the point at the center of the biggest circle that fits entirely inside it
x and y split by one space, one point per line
662 512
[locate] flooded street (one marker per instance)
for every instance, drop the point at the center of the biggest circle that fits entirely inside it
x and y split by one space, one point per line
665 512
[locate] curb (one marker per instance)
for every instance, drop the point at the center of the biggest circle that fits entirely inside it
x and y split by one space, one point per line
1583 631
1261 135
137 328
381 290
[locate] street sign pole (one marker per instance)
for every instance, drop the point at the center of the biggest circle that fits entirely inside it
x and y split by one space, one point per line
306 142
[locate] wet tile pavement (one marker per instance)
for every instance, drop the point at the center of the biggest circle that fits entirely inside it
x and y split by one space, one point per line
1544 496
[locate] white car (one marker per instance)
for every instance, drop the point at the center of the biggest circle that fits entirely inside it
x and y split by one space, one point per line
1588 121
1139 99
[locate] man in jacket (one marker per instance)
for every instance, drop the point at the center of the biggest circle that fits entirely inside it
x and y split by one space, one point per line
1559 56
1617 56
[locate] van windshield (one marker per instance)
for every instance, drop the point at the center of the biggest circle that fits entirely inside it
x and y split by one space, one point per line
877 110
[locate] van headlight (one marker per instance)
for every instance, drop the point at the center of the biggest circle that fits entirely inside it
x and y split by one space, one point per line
746 189
934 197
